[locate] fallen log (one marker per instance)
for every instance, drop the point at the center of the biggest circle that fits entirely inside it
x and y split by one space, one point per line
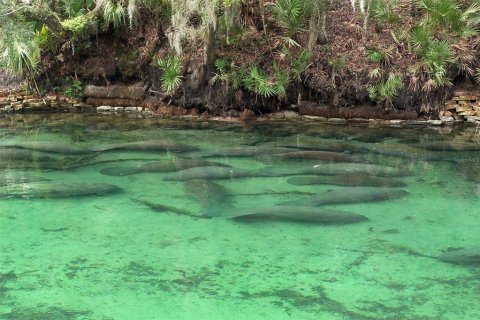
133 92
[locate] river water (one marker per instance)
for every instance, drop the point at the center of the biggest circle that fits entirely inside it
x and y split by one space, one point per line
164 247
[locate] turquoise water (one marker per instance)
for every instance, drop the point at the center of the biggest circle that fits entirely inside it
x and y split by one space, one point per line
113 256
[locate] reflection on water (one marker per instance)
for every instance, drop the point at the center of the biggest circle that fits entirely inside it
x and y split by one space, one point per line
118 218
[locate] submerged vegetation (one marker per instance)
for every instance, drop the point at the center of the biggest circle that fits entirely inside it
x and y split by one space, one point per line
392 53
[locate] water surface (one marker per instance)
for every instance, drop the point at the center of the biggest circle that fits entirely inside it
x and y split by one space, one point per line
115 257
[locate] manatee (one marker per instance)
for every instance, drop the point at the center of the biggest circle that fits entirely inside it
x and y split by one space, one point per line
246 151
353 179
157 207
46 146
349 195
14 154
19 178
212 196
49 189
209 173
316 155
449 146
160 166
464 257
327 145
148 145
339 168
404 151
296 213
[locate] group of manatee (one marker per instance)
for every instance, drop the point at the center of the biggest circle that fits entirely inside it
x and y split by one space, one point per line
337 163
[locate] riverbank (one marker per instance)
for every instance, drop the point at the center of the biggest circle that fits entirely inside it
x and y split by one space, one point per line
463 108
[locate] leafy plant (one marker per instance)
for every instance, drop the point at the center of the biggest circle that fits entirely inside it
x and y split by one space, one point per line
75 90
375 56
382 10
171 78
282 81
291 14
257 81
385 91
115 13
300 64
227 73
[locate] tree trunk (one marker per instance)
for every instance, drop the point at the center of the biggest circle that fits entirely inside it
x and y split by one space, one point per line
317 24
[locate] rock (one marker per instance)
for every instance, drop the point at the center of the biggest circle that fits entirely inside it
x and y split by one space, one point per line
314 118
337 121
435 122
447 119
247 115
131 110
104 109
119 109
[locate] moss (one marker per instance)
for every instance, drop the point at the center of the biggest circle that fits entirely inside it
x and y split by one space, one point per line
78 25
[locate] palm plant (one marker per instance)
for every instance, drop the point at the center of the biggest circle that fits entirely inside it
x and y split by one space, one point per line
171 78
449 16
257 81
291 14
114 13
385 91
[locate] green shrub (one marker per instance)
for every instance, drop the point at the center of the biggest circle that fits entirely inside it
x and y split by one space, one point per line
171 78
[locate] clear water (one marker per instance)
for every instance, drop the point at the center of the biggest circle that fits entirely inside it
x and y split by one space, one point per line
110 257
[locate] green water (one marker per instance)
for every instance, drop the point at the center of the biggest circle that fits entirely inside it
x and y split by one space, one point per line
111 257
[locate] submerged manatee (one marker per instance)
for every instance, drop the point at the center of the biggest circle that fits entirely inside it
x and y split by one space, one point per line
157 207
450 146
338 169
160 166
327 145
246 151
353 179
464 257
296 213
6 180
51 189
316 155
149 145
46 146
209 173
212 196
349 195
14 154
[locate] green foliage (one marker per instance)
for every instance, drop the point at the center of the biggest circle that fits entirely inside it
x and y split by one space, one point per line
114 13
282 81
257 81
75 90
382 10
448 15
77 25
74 8
300 64
375 56
171 78
226 74
337 64
385 91
291 14
477 76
